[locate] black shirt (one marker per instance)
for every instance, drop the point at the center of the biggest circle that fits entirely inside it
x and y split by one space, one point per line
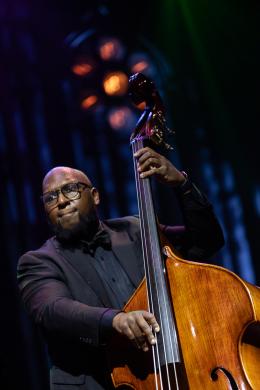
118 286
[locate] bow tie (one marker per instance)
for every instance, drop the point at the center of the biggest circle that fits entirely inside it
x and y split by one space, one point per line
101 238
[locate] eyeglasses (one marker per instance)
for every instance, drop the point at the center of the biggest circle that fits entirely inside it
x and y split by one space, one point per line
70 191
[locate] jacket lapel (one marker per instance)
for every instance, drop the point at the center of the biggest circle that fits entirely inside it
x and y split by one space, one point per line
86 271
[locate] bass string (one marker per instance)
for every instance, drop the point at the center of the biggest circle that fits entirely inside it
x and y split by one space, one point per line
156 259
148 229
146 267
143 236
145 254
155 256
146 223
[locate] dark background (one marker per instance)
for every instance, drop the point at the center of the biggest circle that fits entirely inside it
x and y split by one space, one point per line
205 62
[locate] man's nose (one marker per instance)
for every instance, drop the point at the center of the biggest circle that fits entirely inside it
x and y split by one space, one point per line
62 200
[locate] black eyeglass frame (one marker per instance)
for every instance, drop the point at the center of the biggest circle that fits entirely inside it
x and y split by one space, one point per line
57 192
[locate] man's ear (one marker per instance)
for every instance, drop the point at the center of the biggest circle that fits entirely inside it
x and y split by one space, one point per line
95 195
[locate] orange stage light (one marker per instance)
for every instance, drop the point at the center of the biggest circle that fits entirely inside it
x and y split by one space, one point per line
110 49
115 83
140 66
120 118
89 102
81 69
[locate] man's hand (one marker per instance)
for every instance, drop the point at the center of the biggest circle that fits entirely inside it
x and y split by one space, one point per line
137 326
152 163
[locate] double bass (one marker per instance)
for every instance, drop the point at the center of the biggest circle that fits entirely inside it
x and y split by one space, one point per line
209 317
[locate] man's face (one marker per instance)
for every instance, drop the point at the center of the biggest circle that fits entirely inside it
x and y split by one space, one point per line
67 215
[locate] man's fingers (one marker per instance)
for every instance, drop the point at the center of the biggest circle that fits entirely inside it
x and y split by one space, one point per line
149 163
153 171
141 152
149 173
134 331
152 163
137 326
148 324
151 320
144 154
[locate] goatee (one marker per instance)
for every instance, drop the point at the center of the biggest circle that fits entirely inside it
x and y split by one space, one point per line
85 229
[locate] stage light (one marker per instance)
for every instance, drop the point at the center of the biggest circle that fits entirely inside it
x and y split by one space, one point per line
89 102
121 118
110 49
140 66
103 63
141 63
115 83
82 67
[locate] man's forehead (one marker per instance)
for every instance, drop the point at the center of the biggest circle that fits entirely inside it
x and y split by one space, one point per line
61 175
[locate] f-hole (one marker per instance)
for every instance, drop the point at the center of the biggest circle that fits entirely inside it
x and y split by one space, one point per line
214 377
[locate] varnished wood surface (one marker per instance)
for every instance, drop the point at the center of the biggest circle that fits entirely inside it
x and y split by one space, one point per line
218 321
214 309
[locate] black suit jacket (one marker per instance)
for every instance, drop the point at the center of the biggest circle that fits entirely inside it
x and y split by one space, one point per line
68 300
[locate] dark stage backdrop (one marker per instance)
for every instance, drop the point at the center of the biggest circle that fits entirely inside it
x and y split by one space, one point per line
204 58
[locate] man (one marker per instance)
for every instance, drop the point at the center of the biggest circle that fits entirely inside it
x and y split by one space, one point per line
77 283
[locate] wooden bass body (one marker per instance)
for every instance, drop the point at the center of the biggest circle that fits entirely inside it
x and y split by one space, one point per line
218 323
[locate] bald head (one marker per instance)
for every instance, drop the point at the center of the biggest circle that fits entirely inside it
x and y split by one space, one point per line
70 211
63 174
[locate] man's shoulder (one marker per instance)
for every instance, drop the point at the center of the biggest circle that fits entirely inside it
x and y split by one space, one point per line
122 223
46 250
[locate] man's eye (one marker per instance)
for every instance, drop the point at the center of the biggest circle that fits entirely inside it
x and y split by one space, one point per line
70 188
50 197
